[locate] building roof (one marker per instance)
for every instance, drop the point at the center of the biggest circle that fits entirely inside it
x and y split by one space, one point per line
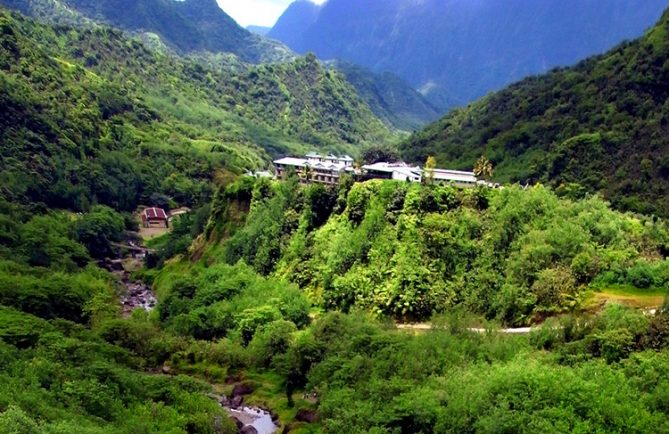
390 167
411 172
454 175
291 161
155 213
302 162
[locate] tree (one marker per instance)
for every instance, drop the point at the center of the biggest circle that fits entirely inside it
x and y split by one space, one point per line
483 168
376 154
97 229
308 174
430 165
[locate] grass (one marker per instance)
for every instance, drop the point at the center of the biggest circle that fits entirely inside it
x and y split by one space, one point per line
650 298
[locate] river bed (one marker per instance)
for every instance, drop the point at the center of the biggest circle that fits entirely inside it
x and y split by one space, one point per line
259 419
138 295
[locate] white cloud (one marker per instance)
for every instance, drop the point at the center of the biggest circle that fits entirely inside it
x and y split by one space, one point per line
258 12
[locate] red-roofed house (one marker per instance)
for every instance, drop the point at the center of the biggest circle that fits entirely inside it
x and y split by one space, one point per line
154 218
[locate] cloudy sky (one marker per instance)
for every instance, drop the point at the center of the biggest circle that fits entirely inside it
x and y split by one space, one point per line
258 12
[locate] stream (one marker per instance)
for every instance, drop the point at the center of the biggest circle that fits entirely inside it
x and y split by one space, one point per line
137 294
250 420
256 418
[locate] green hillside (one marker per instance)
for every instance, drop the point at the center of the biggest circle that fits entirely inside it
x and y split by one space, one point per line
185 26
283 296
92 116
359 256
390 98
410 251
599 126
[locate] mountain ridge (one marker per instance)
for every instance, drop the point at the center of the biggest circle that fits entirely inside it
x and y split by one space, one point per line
77 102
186 26
600 126
490 43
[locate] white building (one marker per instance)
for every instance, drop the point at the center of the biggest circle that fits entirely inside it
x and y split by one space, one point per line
403 172
396 171
457 177
328 169
315 167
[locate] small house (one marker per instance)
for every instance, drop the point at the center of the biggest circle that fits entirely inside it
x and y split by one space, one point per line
154 218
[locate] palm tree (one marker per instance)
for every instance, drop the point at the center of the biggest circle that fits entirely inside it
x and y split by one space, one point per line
308 174
430 165
483 168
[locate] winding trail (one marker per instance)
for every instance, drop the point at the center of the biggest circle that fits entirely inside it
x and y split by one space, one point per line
428 326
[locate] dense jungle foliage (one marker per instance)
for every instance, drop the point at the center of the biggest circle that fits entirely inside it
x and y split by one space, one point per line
409 251
601 126
290 291
390 98
184 26
89 116
202 31
61 368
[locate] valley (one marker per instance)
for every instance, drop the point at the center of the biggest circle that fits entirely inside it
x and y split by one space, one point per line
204 232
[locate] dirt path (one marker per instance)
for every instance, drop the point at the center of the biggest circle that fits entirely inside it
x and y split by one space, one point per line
428 326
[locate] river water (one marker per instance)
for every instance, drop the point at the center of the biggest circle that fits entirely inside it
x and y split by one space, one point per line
137 296
140 296
255 417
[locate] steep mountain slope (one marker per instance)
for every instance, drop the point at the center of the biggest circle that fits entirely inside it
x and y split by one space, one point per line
259 30
184 25
603 124
203 31
458 50
90 116
295 20
390 98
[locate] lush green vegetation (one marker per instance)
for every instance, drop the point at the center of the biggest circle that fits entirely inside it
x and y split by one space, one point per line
592 374
62 366
184 26
600 126
89 116
389 97
201 30
409 251
576 373
286 290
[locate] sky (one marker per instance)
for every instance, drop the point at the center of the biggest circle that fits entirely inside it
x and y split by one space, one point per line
258 12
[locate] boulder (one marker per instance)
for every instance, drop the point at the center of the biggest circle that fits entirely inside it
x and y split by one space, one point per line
242 389
248 429
236 401
306 415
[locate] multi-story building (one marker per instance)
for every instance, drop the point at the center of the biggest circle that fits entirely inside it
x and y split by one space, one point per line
328 169
315 167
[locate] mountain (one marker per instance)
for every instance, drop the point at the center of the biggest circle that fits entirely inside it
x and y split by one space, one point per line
389 97
294 22
90 116
602 125
204 32
455 51
259 30
184 25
